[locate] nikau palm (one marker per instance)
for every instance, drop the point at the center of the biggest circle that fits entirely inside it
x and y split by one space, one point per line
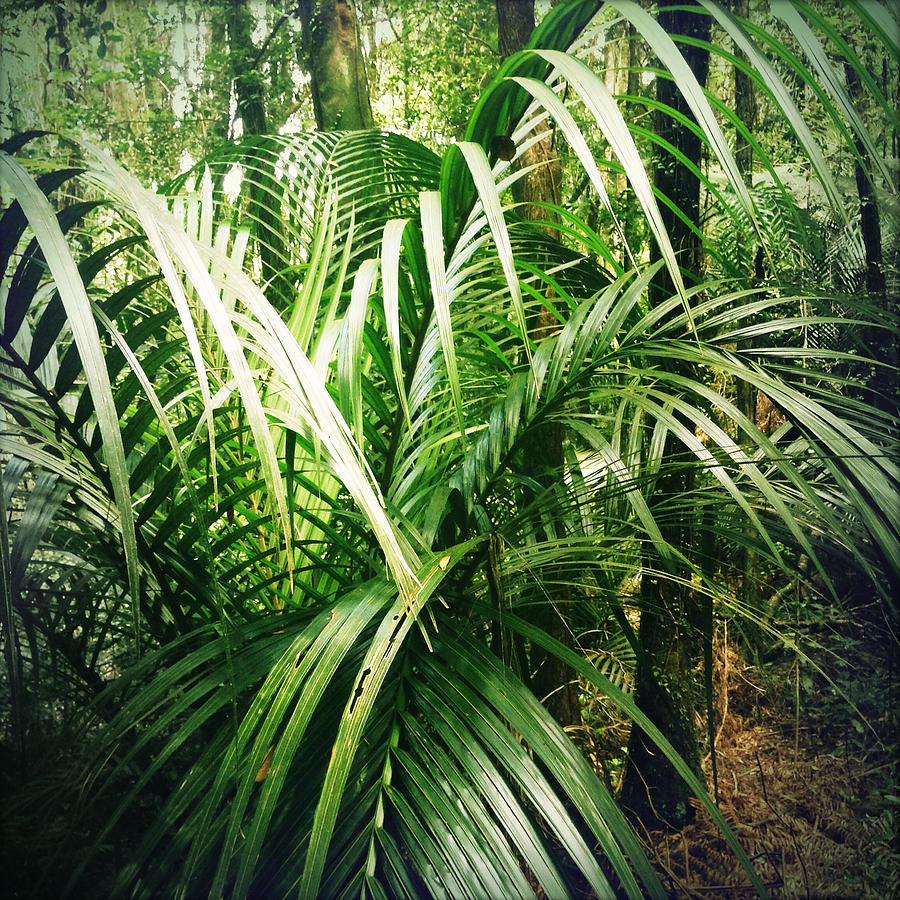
284 539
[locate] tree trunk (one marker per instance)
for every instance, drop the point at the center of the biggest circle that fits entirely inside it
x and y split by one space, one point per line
63 20
249 87
664 679
747 561
335 63
621 77
251 96
870 221
669 648
883 382
552 680
744 100
745 107
617 61
672 178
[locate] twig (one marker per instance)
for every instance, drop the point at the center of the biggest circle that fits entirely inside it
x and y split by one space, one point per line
265 44
762 778
658 817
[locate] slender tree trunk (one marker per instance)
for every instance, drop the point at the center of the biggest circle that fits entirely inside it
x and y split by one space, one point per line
883 382
251 97
745 107
744 100
335 63
870 221
552 681
617 61
63 20
669 649
249 85
669 618
747 561
333 56
621 77
515 22
672 178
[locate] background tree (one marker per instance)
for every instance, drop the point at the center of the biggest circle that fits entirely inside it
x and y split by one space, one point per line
536 192
670 618
336 65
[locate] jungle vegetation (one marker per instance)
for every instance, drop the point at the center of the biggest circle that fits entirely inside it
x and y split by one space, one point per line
345 459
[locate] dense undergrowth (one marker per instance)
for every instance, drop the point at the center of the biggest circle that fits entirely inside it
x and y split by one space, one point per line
806 770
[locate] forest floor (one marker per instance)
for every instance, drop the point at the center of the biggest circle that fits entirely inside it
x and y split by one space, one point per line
808 784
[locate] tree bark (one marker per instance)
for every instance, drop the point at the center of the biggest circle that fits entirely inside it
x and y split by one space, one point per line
515 22
672 178
63 20
335 63
620 78
664 678
669 648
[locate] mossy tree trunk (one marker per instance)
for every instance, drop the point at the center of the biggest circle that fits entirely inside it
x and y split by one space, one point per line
335 62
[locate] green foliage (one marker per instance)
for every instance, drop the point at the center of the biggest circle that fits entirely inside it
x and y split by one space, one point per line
423 87
271 433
